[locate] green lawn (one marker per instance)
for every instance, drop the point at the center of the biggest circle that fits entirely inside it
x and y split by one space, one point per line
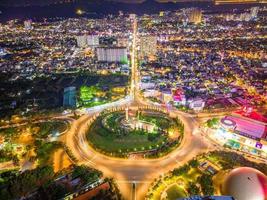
47 128
161 122
108 141
93 103
112 119
174 192
44 150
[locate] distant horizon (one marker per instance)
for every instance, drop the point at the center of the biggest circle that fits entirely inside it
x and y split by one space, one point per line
24 3
100 9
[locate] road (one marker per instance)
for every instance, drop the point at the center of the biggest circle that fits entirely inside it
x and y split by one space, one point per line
129 170
140 172
134 174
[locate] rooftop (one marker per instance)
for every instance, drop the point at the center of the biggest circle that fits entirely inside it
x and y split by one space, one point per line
249 128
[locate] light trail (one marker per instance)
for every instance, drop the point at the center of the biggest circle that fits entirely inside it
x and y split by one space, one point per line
141 171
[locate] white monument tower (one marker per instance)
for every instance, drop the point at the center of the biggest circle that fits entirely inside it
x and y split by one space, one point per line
127 114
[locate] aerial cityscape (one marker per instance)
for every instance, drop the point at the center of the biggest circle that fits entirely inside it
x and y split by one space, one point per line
133 100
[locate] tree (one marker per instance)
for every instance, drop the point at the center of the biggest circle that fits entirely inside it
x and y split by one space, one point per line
193 163
212 122
55 191
87 174
193 189
206 184
181 170
87 93
152 136
44 175
30 180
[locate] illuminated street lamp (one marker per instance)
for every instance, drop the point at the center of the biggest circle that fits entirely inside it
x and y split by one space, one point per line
79 12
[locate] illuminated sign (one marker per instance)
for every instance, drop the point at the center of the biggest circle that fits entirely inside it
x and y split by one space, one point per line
258 145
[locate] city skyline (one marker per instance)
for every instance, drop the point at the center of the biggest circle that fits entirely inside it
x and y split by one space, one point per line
164 103
47 2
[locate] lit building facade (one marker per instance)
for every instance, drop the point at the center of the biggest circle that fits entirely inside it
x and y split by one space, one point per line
93 40
28 24
254 12
81 40
194 15
243 134
69 97
111 54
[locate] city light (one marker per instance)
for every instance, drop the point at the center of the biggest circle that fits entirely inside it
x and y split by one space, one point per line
80 12
139 100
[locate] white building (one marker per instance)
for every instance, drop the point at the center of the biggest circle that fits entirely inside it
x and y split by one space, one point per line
193 15
93 40
197 104
151 93
111 54
2 52
166 96
254 12
147 85
132 16
81 40
180 101
28 24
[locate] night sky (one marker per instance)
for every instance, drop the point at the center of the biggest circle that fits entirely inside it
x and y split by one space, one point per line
45 2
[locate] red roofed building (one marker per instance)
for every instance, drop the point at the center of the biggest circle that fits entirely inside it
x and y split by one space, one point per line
179 97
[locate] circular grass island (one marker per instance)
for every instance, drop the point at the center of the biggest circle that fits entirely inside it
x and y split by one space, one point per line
135 133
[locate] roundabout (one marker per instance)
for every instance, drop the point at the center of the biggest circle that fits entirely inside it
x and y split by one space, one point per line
131 132
134 169
133 174
100 137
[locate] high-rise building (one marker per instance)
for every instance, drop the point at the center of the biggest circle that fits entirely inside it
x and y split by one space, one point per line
194 15
132 16
245 17
81 40
93 40
2 52
229 17
116 54
69 97
28 24
121 13
254 12
148 45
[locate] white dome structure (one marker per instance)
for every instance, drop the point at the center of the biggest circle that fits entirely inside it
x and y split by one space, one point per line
245 183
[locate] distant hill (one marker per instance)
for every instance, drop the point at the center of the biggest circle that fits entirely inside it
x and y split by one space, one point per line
25 3
39 9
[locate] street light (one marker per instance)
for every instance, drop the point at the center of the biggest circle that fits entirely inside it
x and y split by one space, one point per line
79 12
